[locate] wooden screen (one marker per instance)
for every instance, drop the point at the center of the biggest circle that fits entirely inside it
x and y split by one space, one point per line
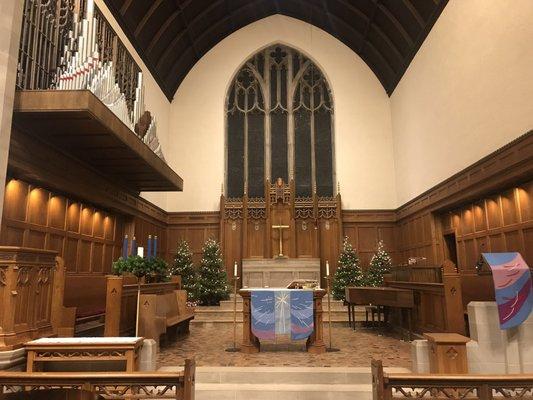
87 238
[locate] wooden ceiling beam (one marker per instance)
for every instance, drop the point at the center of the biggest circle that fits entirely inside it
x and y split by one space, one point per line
397 25
176 39
414 12
125 7
155 5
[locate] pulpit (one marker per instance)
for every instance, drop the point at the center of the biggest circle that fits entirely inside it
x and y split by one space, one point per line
315 342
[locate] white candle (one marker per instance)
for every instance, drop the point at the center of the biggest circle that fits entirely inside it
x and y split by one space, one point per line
327 268
140 251
235 269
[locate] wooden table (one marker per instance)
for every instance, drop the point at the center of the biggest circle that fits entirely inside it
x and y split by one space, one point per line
315 342
85 350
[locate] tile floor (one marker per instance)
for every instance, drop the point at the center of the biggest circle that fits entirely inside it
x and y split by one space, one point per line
207 343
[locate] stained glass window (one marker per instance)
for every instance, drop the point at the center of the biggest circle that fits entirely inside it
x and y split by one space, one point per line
279 125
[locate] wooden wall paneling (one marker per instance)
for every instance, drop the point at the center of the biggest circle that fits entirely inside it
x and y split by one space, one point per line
330 246
257 238
232 250
307 237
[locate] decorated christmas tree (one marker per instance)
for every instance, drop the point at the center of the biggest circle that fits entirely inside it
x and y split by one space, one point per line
184 267
348 272
212 284
380 265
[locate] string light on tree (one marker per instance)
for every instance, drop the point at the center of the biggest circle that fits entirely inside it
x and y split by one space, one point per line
348 272
380 264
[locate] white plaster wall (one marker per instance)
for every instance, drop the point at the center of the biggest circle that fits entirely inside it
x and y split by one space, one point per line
466 93
363 142
155 100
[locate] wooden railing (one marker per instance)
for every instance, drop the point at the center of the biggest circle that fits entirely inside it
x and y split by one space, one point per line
145 385
387 386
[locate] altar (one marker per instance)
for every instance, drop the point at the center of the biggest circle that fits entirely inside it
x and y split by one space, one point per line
278 272
263 322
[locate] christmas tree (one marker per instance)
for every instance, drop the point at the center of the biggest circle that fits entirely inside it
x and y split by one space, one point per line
348 272
184 267
380 265
212 285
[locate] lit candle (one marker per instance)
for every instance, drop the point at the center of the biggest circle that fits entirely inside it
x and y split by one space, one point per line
140 251
235 269
149 247
327 268
154 253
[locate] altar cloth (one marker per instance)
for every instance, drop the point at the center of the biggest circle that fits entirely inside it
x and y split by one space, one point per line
282 312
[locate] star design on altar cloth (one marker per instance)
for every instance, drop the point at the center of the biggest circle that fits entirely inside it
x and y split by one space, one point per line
283 316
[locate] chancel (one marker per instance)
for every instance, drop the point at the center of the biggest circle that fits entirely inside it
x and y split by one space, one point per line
295 199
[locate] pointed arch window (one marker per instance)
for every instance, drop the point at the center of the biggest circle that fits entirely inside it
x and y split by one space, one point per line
279 121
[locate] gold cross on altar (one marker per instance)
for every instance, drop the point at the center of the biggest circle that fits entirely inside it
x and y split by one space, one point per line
280 228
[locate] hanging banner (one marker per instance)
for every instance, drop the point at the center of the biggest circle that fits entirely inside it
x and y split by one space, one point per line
512 286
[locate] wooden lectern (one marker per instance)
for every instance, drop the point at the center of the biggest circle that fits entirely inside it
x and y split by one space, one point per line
315 342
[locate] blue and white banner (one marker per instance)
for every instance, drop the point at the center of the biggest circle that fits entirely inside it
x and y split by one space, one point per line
282 312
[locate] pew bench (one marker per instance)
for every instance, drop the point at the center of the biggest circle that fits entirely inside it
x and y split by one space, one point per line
115 385
164 315
394 386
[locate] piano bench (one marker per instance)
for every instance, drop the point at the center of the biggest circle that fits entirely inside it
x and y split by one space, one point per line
373 310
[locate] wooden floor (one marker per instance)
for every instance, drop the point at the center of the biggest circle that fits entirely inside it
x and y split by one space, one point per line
207 344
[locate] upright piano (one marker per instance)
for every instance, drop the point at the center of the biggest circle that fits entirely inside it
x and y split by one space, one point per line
382 297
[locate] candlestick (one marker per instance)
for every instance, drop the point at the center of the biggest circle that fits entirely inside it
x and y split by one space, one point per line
234 348
328 278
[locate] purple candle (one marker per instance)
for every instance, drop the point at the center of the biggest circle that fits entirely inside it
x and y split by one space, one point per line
125 247
149 247
133 247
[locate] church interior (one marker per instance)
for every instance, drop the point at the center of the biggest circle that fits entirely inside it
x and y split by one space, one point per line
266 199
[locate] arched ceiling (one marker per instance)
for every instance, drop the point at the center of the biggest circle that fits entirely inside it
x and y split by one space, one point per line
172 35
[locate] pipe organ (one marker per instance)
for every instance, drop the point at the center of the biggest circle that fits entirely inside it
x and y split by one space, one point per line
76 48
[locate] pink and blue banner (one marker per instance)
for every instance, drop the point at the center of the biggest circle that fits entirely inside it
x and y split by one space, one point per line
282 312
512 286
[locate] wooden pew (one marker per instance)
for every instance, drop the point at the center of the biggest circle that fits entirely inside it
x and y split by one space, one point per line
87 294
387 386
164 314
145 385
63 318
121 307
